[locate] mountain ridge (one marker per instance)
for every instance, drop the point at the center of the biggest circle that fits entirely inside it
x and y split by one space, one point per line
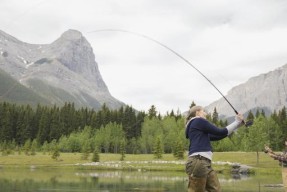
66 71
66 67
11 90
266 92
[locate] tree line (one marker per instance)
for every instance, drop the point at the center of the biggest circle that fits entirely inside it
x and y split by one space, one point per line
67 129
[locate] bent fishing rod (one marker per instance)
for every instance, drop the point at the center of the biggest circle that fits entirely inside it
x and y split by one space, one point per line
248 123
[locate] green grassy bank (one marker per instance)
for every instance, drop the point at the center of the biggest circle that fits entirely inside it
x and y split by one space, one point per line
221 161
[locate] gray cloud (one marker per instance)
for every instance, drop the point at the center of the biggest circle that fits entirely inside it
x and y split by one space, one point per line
229 41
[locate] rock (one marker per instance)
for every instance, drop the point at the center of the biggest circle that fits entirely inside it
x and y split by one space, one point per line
240 169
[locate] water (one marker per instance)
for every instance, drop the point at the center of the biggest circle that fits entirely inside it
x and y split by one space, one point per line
74 180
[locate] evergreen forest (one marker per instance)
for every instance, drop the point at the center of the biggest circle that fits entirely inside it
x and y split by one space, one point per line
125 130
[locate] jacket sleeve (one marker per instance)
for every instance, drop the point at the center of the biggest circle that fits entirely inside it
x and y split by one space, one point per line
214 131
216 137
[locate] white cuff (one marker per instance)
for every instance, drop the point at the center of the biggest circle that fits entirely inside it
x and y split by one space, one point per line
233 126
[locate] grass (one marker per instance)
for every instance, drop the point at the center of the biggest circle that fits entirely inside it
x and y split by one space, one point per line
21 169
265 163
140 161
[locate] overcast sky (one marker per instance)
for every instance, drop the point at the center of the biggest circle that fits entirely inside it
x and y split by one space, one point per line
229 41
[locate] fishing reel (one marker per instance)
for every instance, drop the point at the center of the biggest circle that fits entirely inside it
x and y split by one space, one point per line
248 123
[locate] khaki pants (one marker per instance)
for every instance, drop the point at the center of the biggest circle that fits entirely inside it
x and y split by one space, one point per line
201 176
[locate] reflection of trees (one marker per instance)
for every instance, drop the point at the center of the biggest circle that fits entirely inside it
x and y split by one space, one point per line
94 181
146 176
53 180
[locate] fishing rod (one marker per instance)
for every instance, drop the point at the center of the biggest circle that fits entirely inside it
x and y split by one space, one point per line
248 123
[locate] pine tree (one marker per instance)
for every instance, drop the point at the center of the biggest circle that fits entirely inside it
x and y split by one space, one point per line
257 113
45 147
158 148
86 149
96 156
263 113
55 153
43 131
123 149
282 115
250 116
6 131
215 116
179 149
54 124
152 112
27 147
4 148
55 150
34 146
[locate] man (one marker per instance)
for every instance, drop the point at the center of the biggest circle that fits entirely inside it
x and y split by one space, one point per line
200 132
282 158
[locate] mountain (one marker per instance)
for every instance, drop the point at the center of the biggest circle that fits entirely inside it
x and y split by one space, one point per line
63 71
266 92
66 71
11 90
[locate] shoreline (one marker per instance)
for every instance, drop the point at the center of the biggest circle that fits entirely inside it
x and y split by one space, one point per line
223 162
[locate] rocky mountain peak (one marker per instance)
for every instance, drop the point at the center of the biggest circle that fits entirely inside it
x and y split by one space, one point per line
75 52
72 35
266 92
62 71
6 37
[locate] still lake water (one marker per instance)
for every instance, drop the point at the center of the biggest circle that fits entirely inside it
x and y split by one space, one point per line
74 180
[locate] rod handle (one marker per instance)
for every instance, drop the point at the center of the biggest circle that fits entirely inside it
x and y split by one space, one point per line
248 123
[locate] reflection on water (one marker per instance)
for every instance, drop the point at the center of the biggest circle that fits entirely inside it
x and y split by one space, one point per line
55 179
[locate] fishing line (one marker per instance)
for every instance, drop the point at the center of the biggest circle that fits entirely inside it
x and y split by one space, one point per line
173 51
235 89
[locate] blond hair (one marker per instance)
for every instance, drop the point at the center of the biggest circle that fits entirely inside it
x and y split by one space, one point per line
192 112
